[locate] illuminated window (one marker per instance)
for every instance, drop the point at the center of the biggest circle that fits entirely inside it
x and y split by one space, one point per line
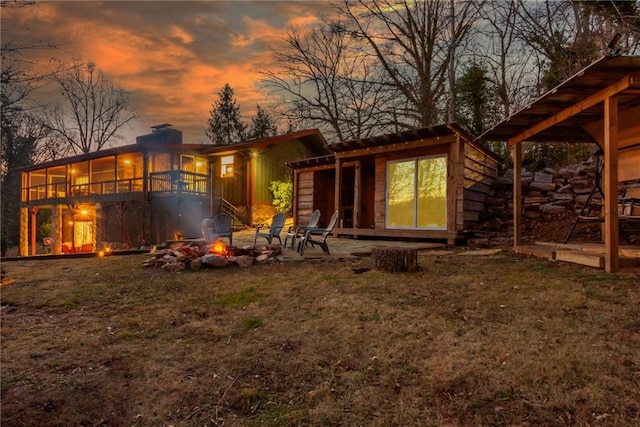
417 193
226 168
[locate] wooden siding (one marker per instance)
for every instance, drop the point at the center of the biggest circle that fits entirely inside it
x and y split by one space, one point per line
233 189
304 197
270 166
480 172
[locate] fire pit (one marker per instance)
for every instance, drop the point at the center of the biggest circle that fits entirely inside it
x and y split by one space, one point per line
200 254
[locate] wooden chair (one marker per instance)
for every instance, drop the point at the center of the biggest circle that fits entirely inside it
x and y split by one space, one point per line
277 222
221 228
323 233
298 232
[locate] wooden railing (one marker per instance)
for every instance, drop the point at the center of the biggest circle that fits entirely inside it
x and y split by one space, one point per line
232 211
162 182
179 182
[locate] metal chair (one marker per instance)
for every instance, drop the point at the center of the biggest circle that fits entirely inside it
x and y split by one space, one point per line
277 222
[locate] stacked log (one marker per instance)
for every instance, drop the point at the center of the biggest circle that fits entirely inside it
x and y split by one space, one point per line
544 193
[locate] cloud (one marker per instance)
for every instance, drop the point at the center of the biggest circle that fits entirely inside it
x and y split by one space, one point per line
174 56
181 34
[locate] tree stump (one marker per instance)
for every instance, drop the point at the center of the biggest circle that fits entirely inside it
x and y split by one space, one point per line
394 259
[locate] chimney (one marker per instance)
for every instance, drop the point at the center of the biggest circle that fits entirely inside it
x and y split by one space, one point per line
161 134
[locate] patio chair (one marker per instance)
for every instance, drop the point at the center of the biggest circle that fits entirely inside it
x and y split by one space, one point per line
323 233
221 228
277 222
66 249
297 232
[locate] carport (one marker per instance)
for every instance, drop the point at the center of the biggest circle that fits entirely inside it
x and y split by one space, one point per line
599 104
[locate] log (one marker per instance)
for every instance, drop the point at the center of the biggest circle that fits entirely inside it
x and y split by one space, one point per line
393 259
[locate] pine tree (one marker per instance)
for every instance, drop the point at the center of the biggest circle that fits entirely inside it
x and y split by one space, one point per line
224 127
261 125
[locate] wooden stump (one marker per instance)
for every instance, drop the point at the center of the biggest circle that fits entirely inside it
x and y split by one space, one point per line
394 259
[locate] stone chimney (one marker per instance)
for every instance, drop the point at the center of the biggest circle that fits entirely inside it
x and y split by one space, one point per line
161 134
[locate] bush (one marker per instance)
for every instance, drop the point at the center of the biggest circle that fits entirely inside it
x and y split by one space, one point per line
282 192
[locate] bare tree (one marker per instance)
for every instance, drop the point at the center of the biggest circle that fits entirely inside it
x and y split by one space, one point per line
325 80
92 111
412 41
509 62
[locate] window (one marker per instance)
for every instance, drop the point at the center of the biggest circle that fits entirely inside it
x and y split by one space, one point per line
226 169
417 193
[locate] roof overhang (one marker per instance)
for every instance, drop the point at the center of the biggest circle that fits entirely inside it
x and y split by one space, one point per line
574 110
311 138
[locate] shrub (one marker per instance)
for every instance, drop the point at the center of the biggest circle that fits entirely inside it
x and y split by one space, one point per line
282 192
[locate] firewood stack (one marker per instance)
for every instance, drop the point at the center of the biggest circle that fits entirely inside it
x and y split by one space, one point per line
199 255
545 194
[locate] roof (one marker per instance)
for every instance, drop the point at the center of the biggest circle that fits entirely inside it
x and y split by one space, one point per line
122 149
311 138
437 131
584 87
429 133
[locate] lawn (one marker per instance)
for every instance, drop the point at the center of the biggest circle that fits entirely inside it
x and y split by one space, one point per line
466 340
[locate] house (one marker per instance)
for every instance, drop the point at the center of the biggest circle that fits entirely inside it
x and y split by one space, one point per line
600 104
428 183
154 190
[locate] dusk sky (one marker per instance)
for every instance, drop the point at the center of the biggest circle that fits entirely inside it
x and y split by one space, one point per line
174 56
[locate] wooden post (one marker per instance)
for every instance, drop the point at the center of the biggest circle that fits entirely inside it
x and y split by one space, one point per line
34 217
611 184
357 195
24 231
517 194
338 191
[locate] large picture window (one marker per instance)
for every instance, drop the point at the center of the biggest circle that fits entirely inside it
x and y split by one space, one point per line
417 193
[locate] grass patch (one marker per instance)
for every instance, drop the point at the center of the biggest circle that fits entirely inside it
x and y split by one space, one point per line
238 299
497 340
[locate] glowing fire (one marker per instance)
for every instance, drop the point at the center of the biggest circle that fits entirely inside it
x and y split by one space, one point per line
219 248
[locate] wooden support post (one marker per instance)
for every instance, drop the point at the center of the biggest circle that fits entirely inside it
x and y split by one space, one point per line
34 217
611 262
338 191
357 195
24 231
393 259
517 194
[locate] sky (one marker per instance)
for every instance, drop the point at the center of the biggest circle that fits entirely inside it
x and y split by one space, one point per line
173 56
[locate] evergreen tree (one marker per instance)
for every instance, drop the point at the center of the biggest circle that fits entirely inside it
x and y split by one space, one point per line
225 127
475 101
261 125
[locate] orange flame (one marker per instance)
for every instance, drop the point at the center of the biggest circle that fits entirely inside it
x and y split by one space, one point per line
219 248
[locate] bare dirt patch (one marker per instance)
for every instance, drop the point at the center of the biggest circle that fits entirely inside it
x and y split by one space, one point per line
488 340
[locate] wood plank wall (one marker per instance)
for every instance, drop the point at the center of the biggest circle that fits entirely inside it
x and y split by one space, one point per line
480 172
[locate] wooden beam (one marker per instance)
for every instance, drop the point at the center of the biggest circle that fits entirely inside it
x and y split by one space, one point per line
576 108
357 195
517 194
397 146
338 190
611 262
